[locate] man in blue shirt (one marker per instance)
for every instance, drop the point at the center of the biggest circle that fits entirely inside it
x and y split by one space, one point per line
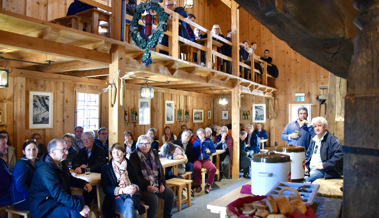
300 131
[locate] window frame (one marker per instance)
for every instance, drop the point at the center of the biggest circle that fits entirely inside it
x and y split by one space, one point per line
88 91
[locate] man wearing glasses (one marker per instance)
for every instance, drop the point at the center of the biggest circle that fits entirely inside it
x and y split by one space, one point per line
50 192
324 158
102 139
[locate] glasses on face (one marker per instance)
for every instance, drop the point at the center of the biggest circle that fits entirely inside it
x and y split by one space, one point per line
144 144
62 149
315 151
169 5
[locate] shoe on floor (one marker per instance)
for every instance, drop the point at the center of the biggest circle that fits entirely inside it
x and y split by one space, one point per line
198 189
207 189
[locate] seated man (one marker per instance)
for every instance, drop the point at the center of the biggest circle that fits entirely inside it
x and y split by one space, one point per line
224 142
252 141
324 158
78 6
6 177
102 139
271 69
244 156
50 193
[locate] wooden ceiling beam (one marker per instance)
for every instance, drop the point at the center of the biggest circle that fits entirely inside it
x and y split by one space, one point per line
89 73
32 44
72 66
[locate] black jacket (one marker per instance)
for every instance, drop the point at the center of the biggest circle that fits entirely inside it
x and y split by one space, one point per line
254 143
188 151
97 159
109 183
331 156
244 160
51 188
136 161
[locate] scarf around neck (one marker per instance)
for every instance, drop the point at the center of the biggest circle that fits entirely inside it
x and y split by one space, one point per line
121 173
149 167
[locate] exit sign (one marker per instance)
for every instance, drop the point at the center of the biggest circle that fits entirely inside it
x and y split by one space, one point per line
299 96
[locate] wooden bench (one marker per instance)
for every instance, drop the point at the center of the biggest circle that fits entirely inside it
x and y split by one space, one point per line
186 175
141 216
12 212
203 172
330 187
178 186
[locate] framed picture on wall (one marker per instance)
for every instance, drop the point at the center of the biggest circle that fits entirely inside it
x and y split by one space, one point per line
259 113
169 112
209 115
198 116
186 115
133 115
292 111
180 114
144 111
225 115
40 110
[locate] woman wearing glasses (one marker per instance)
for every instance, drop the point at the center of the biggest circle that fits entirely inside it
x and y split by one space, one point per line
151 177
23 173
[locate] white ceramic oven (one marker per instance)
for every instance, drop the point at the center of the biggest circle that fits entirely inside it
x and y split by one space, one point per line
297 155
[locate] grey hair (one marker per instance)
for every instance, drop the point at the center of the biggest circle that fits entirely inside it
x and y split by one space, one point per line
249 125
208 129
321 120
89 133
200 130
143 137
53 143
224 127
185 132
72 137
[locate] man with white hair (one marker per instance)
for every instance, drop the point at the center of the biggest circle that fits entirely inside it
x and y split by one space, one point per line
324 158
252 141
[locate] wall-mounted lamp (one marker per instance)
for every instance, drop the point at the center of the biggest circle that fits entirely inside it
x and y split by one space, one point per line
147 92
4 78
223 100
188 3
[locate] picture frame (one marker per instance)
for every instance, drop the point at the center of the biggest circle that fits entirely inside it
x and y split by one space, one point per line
40 110
225 115
180 115
133 115
169 112
186 115
144 111
259 113
198 116
209 115
292 111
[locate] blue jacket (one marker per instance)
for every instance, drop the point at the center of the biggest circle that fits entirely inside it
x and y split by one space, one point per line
109 183
199 149
305 134
5 183
261 134
331 156
51 187
254 143
23 173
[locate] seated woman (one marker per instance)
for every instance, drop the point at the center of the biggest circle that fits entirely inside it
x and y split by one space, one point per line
129 143
173 152
168 135
208 133
154 141
202 149
151 177
9 156
23 173
73 148
5 175
41 146
120 185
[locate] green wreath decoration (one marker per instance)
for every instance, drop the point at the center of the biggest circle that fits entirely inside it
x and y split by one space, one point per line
156 37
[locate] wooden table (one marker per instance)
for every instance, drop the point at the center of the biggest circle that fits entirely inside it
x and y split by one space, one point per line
262 141
219 205
95 180
217 154
171 163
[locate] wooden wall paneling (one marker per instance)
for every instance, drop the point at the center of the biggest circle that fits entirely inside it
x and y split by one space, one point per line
69 108
19 114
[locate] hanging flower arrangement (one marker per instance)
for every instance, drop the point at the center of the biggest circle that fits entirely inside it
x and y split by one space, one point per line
151 41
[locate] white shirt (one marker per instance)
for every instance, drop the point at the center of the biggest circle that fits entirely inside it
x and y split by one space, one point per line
316 155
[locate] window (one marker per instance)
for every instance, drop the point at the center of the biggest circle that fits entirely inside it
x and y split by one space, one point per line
88 110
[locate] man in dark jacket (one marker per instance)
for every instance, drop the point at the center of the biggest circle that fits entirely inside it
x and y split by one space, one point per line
102 139
50 193
252 141
324 158
244 156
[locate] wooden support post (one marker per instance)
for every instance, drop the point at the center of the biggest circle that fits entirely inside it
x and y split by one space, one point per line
264 76
175 36
116 113
208 53
115 20
235 39
235 131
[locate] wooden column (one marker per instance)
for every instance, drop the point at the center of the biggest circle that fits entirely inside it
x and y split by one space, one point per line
175 36
235 131
115 20
235 39
116 112
361 150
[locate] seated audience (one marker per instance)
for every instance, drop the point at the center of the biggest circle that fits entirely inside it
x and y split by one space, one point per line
73 148
23 173
168 135
9 156
202 149
324 158
102 139
244 156
50 193
183 128
173 152
5 175
91 156
188 148
120 185
78 132
129 143
154 141
252 141
208 133
224 142
78 6
41 146
271 68
261 133
151 178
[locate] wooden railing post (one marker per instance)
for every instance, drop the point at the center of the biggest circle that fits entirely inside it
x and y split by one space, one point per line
208 53
264 76
235 39
174 47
